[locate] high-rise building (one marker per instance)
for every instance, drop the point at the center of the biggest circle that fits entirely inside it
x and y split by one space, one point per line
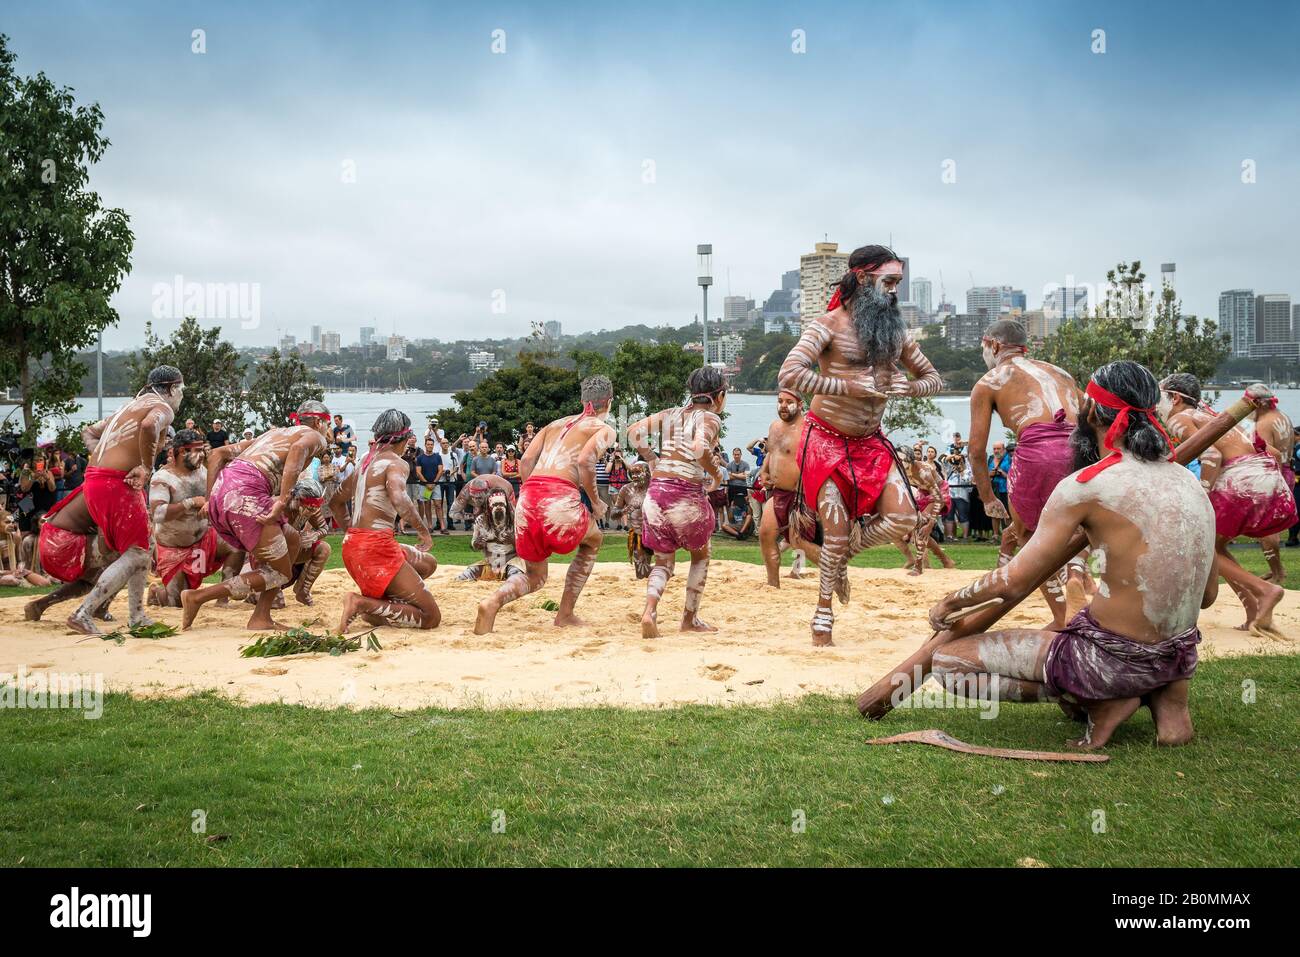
1065 302
1167 276
725 350
315 337
330 342
984 300
965 330
483 361
287 344
1038 324
1237 319
1013 299
790 280
1272 318
552 330
905 287
396 348
911 314
922 295
819 272
736 308
367 336
1295 322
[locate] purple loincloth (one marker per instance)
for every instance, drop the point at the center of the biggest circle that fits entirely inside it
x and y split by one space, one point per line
675 514
239 498
1089 663
1042 458
1252 496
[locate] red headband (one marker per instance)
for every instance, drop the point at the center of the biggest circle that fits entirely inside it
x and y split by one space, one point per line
311 502
1110 400
297 417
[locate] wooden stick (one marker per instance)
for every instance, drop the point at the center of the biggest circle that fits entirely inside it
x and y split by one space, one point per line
941 739
875 702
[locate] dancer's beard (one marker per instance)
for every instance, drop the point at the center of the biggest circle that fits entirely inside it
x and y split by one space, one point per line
1083 443
879 324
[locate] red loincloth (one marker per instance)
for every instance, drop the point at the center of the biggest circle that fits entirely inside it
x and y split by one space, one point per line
118 510
197 561
372 558
63 552
859 465
1251 496
1042 458
550 518
923 500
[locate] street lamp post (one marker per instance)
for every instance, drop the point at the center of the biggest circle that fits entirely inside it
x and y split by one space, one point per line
704 253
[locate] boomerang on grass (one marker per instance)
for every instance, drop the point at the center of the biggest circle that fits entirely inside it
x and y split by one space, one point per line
942 739
875 702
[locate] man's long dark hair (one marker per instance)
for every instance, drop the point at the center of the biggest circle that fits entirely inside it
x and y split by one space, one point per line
1134 383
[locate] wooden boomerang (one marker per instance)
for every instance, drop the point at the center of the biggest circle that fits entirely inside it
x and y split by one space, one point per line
941 739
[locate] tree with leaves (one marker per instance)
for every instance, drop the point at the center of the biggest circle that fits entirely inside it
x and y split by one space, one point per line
280 384
62 254
646 377
531 391
213 370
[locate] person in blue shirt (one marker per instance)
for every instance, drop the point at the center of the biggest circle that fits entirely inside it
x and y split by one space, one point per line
999 469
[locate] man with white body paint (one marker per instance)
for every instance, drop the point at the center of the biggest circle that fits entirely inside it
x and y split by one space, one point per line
1247 489
1039 403
1276 429
246 505
122 452
390 574
1151 528
779 476
676 512
852 360
186 546
550 518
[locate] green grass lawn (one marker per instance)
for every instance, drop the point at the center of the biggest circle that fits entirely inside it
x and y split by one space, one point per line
288 785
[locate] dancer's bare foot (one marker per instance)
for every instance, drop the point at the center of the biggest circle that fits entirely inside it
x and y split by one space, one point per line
303 597
914 568
33 610
1103 718
82 624
264 623
842 589
568 620
1267 602
947 561
822 623
157 595
693 623
1172 717
189 607
649 626
351 608
487 617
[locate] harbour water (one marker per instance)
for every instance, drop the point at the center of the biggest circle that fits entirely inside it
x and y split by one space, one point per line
748 415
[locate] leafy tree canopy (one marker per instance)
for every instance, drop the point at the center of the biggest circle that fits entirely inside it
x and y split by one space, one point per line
531 391
213 370
280 384
62 254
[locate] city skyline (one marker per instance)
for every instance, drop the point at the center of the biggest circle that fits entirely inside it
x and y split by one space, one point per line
562 179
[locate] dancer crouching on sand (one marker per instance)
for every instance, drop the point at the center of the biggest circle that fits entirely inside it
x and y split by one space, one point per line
306 515
390 574
676 512
550 518
186 545
1247 489
779 476
852 360
1151 528
246 506
122 452
73 552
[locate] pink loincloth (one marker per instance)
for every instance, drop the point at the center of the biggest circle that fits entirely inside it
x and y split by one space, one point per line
239 498
858 465
1251 496
1090 663
117 509
550 518
197 561
675 514
1042 458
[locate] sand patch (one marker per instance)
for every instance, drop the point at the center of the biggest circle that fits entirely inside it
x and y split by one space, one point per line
761 652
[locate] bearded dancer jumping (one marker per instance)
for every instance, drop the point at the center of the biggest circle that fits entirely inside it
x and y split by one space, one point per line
852 360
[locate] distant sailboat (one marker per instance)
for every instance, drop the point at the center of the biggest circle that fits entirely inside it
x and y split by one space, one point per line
402 388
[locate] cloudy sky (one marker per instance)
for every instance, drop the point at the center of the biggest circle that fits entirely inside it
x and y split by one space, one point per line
576 170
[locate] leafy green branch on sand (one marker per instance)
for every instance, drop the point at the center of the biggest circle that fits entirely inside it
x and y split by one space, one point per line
301 641
152 631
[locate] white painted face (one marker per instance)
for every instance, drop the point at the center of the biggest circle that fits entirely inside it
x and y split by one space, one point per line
1165 406
173 396
990 357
